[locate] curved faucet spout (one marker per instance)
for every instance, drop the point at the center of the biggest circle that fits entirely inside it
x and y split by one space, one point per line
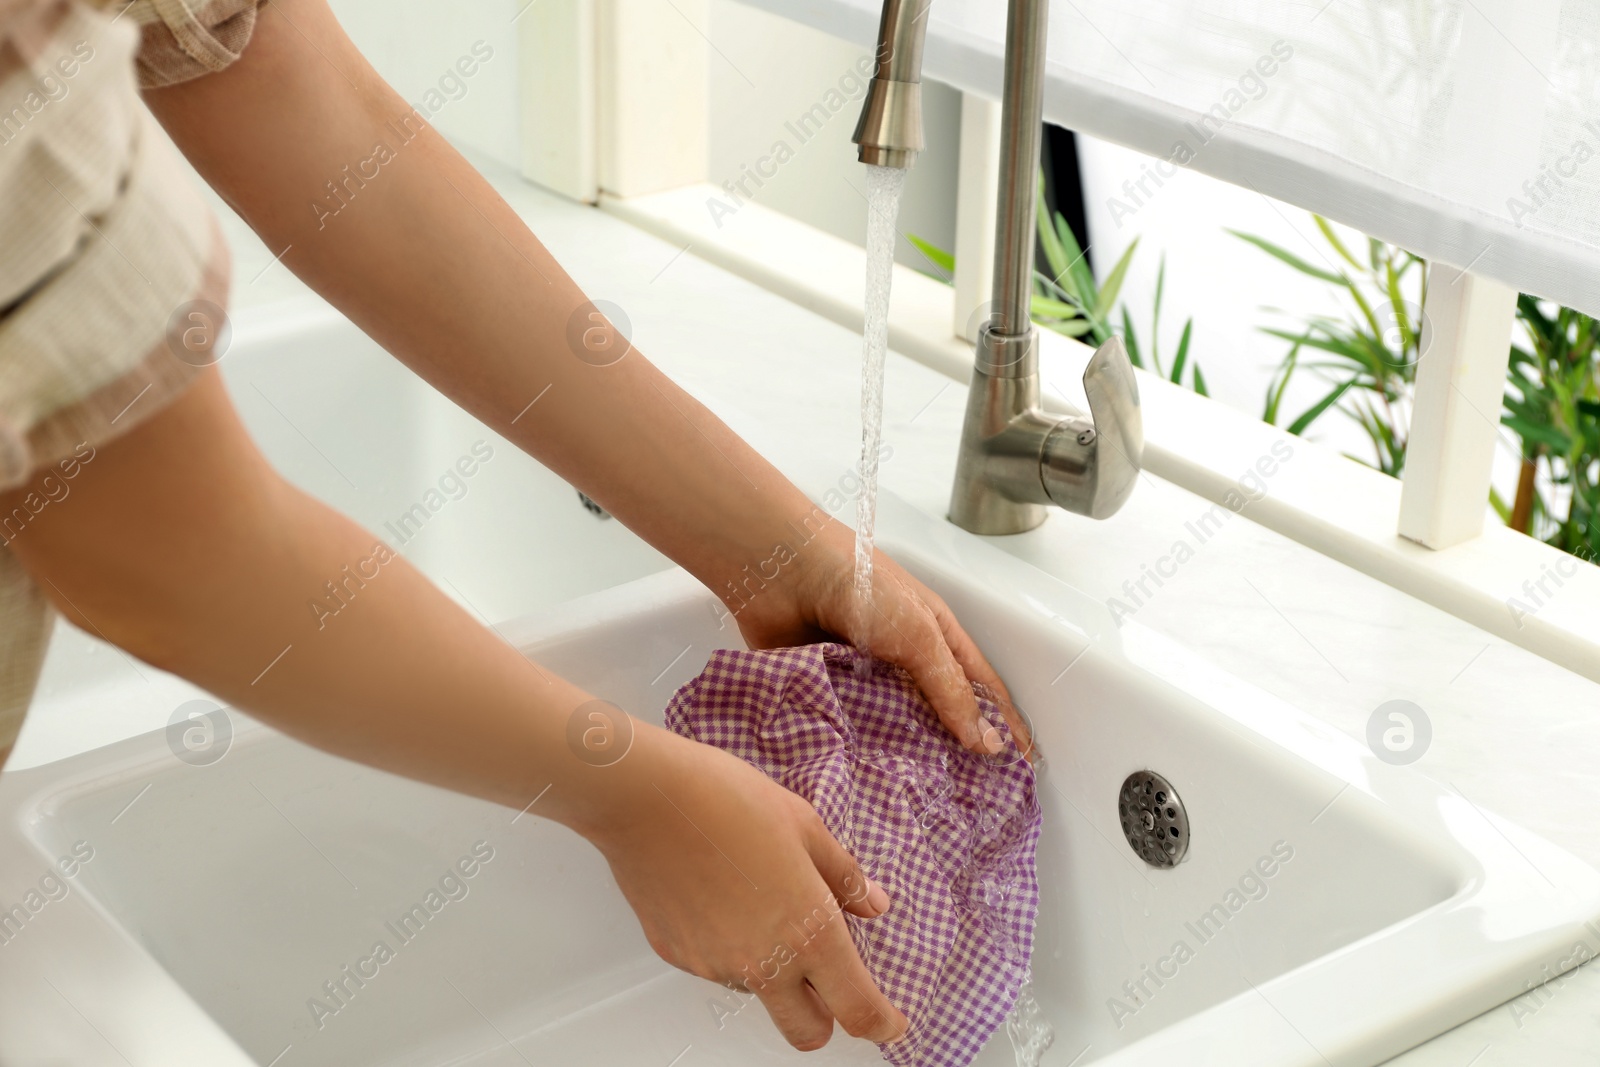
889 133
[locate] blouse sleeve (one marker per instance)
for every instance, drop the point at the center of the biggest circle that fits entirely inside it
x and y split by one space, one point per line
184 39
113 270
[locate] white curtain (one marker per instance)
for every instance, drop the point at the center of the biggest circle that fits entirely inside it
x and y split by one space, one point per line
1467 131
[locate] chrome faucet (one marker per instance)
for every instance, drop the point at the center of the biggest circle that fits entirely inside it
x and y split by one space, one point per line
1015 458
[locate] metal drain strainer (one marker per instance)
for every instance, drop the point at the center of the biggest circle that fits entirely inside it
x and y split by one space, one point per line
1153 819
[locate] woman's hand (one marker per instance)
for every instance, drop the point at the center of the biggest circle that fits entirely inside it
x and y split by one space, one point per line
736 879
907 625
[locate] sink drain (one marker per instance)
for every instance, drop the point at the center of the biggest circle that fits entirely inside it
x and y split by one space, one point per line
1153 819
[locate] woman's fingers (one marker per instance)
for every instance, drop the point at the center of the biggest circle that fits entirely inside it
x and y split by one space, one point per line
906 624
823 978
826 980
914 629
944 683
855 892
919 632
842 982
979 671
905 633
796 1010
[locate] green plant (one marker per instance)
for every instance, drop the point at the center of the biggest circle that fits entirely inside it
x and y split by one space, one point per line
1553 404
1069 301
1368 358
1180 358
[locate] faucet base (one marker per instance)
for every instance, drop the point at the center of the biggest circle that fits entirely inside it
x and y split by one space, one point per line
998 488
987 513
1016 460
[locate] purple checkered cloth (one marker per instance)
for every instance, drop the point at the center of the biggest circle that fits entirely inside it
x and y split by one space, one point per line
950 835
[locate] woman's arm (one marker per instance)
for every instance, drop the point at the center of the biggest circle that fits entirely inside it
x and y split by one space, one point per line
430 262
182 546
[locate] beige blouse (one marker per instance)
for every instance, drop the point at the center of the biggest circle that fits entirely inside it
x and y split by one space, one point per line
107 253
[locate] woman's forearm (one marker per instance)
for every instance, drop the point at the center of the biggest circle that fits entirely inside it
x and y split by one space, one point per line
428 259
431 262
204 562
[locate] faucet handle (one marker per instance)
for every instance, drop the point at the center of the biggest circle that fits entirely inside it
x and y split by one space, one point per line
1089 465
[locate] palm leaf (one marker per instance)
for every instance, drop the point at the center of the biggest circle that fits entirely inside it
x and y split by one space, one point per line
1070 327
1275 392
1311 414
935 255
1113 283
1289 257
1130 340
1155 313
1050 244
1046 308
1182 357
1078 267
1549 436
1333 239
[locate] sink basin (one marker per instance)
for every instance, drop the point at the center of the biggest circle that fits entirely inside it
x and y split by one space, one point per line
1331 909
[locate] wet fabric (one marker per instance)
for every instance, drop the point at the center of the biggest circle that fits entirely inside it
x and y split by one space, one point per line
950 835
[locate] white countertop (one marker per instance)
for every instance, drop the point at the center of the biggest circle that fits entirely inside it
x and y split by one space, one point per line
1311 631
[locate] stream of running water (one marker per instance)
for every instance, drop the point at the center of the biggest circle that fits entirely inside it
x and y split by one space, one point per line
883 206
1029 1032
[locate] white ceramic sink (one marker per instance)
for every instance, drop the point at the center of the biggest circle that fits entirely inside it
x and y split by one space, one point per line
1332 909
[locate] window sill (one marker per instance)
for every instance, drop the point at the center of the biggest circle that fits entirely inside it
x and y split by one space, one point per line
1503 582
